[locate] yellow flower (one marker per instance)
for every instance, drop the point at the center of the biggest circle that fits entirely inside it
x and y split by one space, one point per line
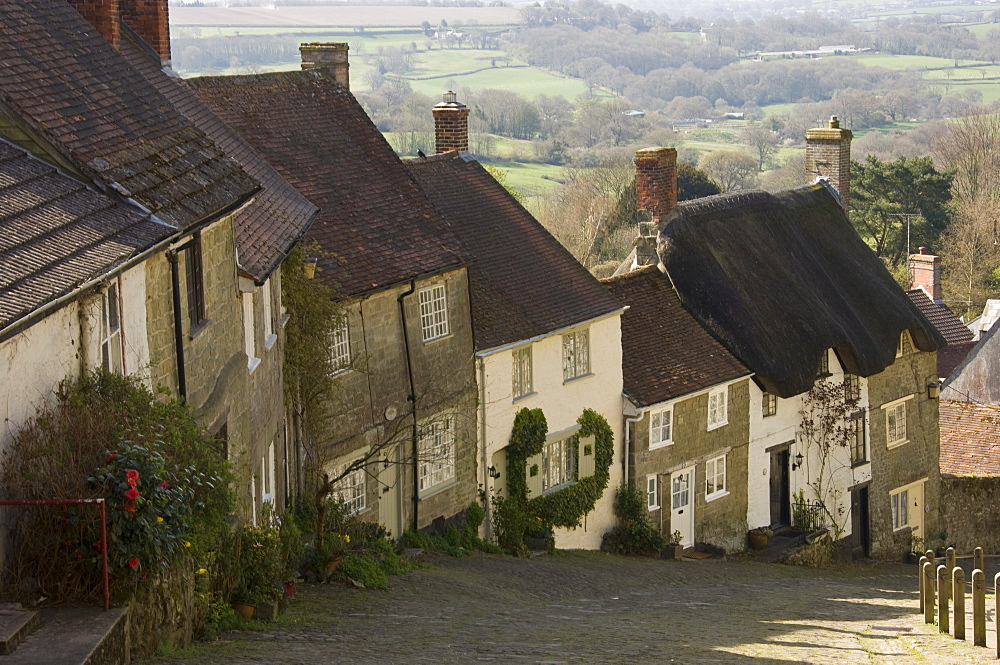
200 571
159 519
187 543
347 539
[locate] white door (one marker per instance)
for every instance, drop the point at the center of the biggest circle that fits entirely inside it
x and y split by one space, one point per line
682 505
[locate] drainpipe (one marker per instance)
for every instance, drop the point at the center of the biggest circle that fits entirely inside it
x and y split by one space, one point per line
412 399
628 437
488 508
175 282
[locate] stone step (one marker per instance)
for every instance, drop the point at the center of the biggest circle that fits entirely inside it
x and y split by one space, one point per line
15 625
74 636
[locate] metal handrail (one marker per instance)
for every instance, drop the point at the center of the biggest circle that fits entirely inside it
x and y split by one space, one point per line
104 529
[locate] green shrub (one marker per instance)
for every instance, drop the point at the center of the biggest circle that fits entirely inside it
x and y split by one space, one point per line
366 570
633 534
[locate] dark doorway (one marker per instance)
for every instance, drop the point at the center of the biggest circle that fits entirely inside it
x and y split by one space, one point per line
781 500
860 523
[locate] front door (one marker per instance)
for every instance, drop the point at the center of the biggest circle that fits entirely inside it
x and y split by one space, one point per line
682 505
389 491
781 500
860 523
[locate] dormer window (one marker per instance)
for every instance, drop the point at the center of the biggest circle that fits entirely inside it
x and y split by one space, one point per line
905 344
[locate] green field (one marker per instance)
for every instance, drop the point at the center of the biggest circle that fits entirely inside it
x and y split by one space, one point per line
532 179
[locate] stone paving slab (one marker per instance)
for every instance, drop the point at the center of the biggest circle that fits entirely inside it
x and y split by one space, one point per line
596 608
65 636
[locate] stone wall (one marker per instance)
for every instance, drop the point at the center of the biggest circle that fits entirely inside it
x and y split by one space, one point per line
970 513
721 522
910 462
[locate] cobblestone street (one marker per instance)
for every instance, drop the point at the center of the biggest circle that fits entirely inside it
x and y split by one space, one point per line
593 608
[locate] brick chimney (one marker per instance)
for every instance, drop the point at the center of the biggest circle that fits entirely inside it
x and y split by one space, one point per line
104 15
828 155
656 195
451 124
150 20
330 57
925 273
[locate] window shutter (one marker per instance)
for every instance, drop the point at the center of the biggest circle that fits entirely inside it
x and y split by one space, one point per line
534 481
586 455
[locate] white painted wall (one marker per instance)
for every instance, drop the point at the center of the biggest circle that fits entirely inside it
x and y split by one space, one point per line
783 427
133 289
562 404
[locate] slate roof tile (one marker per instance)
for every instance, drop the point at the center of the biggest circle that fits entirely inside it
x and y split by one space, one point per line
666 353
524 282
377 226
84 99
56 234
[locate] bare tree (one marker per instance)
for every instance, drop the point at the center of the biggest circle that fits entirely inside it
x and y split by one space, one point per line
970 253
971 145
730 169
763 140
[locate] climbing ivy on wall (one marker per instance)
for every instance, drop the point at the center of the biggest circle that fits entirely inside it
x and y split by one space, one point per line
565 507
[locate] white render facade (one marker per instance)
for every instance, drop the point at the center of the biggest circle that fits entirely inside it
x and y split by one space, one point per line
561 400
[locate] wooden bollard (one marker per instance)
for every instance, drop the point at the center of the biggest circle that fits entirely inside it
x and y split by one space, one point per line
928 592
920 581
979 560
978 608
949 562
930 555
958 591
943 583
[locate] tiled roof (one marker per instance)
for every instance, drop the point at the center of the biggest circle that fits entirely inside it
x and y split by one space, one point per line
56 234
375 224
958 337
781 278
69 86
266 229
524 283
970 438
665 351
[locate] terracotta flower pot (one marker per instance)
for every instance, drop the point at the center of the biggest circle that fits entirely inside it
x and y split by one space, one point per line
245 610
289 589
758 540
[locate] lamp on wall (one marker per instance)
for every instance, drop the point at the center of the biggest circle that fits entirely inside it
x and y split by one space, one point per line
798 462
934 390
494 472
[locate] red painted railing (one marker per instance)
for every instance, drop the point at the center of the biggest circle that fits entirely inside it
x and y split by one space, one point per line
104 529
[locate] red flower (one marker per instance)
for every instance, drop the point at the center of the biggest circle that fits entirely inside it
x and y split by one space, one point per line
99 546
78 555
132 494
112 456
130 507
132 474
164 484
133 563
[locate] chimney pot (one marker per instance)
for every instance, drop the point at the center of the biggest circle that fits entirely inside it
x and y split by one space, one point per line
450 97
834 122
925 273
451 124
922 250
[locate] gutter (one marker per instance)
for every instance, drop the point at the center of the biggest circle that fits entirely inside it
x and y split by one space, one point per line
412 399
536 338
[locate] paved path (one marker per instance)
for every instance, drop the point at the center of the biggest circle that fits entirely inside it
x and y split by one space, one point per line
594 608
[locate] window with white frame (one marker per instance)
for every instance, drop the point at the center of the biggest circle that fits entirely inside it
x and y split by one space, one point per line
652 492
436 449
111 331
265 297
895 422
249 334
522 380
769 404
340 346
559 462
718 408
576 354
661 427
433 312
856 436
350 487
900 509
715 478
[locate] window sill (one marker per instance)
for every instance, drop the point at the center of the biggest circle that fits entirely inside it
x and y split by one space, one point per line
252 364
437 489
558 487
285 318
661 444
434 340
860 464
652 508
341 371
717 495
716 426
769 415
897 444
197 329
269 341
577 378
524 396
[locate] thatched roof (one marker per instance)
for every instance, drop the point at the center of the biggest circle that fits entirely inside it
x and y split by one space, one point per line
778 279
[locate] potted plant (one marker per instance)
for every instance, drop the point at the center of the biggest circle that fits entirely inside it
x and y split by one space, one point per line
674 549
759 537
260 568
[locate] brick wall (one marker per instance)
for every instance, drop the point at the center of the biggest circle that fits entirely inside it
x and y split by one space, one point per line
150 20
103 15
451 125
723 521
910 462
828 155
330 57
656 181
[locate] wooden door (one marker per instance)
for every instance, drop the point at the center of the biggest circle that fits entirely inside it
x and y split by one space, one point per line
682 505
781 500
860 523
390 491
